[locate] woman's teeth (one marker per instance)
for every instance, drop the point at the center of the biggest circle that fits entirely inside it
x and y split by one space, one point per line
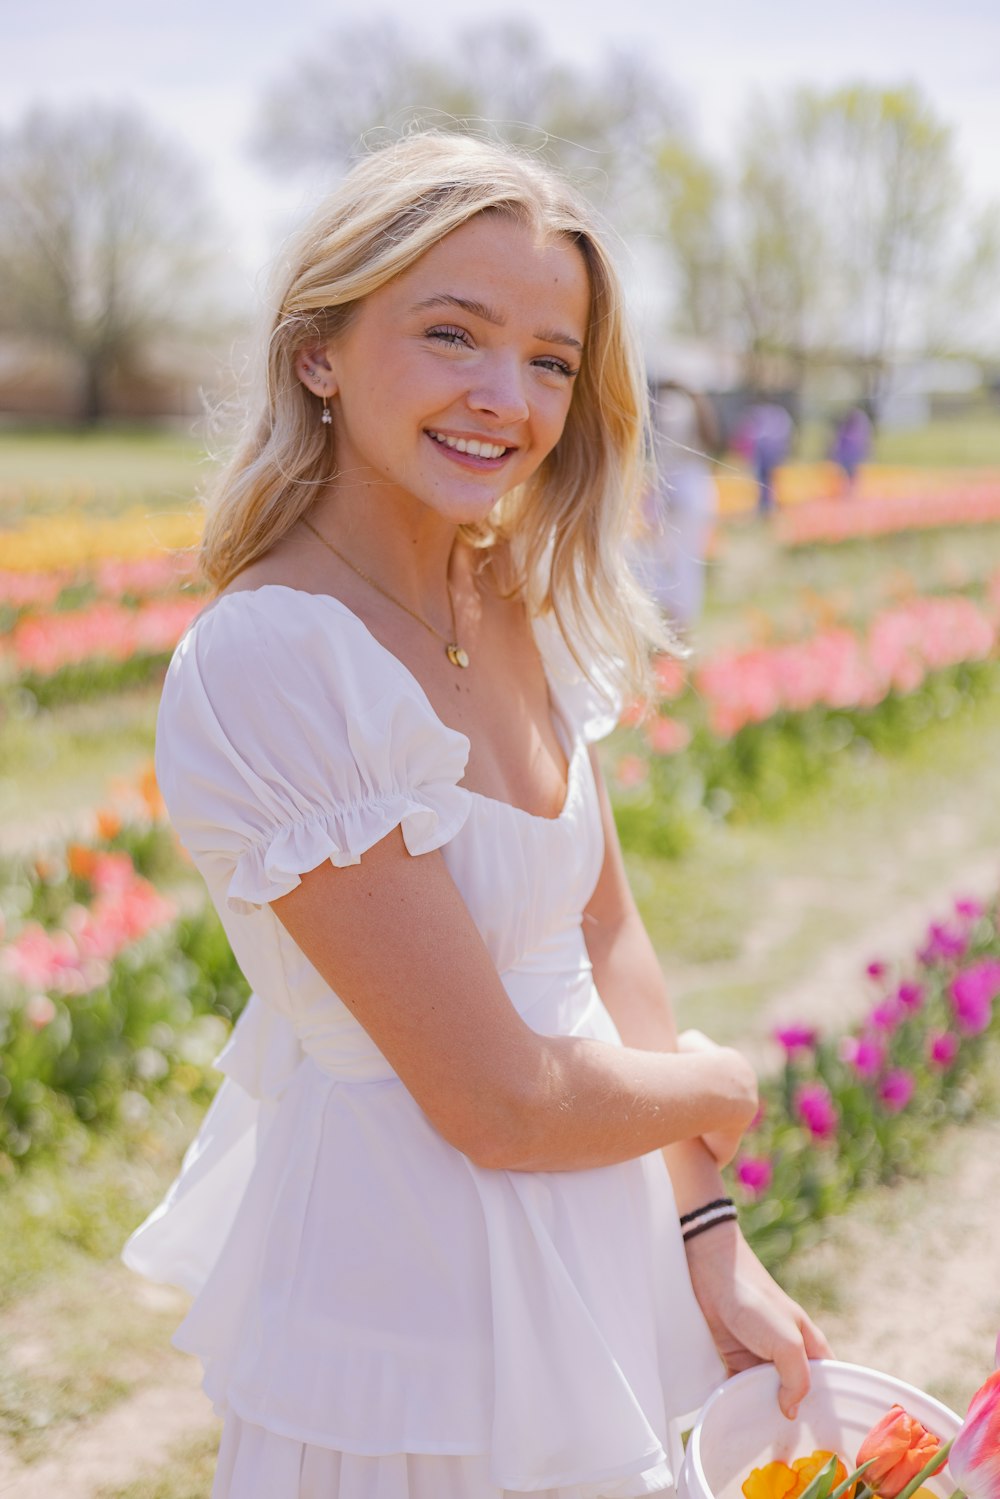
477 449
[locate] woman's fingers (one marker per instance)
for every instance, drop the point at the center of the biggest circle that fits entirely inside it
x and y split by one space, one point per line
814 1339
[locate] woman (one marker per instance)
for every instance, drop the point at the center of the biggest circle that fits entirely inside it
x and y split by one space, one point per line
429 1221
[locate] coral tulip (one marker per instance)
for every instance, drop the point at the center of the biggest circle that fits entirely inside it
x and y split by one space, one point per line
975 1456
899 1447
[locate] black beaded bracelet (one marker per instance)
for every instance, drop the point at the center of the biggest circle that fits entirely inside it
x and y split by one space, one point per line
707 1207
726 1215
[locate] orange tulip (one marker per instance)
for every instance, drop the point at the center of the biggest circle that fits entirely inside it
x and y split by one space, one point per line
773 1481
109 824
81 861
898 1447
150 793
808 1467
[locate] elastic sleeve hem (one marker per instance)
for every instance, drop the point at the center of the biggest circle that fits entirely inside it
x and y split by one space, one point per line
428 817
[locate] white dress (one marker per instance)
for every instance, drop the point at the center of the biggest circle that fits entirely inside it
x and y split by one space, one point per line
378 1317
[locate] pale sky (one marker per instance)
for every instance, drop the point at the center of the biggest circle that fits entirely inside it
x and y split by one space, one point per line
200 67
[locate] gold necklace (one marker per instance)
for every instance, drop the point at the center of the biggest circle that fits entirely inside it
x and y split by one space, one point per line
456 655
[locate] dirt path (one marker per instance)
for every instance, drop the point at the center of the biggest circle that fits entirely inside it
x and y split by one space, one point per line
134 1437
913 1275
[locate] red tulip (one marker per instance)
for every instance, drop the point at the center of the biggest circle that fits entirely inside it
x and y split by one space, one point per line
975 1457
899 1447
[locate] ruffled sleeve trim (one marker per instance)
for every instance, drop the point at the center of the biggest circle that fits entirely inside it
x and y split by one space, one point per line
428 817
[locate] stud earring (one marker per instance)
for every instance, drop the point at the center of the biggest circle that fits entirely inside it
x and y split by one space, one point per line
326 418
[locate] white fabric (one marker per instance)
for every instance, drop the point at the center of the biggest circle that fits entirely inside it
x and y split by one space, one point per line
366 1296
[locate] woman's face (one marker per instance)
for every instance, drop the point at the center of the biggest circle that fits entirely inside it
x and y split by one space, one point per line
452 382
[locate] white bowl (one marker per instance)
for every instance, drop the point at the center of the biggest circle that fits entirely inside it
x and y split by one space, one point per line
741 1427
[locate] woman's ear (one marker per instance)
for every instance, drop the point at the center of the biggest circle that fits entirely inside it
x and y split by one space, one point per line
314 370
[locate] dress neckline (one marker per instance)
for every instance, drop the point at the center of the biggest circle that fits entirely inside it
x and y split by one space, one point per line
572 748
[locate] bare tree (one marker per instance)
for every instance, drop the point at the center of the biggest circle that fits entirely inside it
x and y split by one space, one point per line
603 126
104 241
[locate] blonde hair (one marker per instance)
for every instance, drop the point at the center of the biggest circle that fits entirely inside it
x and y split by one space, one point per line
566 528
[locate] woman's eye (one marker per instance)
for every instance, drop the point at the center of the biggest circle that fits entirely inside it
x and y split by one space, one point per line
450 335
557 366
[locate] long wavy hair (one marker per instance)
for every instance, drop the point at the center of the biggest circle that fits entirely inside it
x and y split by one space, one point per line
566 528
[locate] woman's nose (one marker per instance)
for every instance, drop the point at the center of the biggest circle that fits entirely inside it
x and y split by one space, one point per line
500 391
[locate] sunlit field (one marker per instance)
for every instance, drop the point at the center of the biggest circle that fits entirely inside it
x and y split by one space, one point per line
811 816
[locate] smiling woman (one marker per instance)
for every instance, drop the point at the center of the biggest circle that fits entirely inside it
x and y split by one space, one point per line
430 1224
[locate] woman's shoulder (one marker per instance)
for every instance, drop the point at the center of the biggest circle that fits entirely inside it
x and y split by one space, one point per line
282 653
275 615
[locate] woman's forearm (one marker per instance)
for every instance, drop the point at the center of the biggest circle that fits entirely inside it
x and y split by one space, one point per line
594 1104
630 980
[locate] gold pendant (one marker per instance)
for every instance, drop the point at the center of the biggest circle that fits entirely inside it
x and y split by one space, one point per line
457 656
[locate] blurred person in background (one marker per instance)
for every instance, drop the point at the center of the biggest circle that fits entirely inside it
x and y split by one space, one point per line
766 438
851 446
681 505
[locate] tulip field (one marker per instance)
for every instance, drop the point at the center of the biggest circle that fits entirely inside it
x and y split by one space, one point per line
809 809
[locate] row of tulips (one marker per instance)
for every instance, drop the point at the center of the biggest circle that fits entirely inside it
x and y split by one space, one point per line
826 521
109 991
745 730
849 1110
113 578
72 539
108 995
75 653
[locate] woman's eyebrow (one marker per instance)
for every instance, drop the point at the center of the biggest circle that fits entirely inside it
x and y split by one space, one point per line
467 304
490 315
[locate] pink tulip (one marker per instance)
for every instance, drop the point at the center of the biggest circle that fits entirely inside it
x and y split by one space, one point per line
943 945
975 1456
795 1038
896 1089
972 993
866 1054
887 1016
910 996
668 736
942 1049
754 1174
631 771
817 1111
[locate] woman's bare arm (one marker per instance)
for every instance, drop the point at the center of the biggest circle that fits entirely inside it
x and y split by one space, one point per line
630 981
394 939
750 1317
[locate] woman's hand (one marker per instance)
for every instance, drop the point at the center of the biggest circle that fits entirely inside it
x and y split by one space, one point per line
751 1319
723 1143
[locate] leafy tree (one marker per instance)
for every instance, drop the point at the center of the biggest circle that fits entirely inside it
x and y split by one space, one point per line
848 221
602 126
690 204
104 242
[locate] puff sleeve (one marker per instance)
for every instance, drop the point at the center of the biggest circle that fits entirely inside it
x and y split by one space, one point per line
288 735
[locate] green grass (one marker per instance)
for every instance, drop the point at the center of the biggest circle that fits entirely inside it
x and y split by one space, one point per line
43 472
58 763
753 579
748 910
63 1358
967 441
